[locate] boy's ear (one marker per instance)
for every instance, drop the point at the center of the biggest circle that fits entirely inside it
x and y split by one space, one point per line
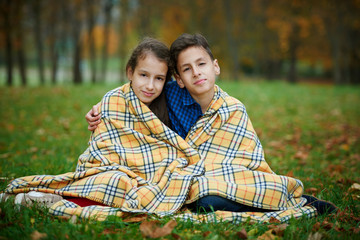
217 67
179 81
129 73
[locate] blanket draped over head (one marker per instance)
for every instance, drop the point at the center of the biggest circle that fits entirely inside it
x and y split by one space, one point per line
136 164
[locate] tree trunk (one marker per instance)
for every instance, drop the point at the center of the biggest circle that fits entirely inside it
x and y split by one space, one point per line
91 23
76 27
232 45
77 74
19 39
22 63
293 46
5 14
107 11
38 38
123 9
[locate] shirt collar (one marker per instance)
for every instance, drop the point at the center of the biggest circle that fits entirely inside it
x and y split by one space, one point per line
187 99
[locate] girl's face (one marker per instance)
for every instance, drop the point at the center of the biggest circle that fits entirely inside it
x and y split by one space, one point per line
148 78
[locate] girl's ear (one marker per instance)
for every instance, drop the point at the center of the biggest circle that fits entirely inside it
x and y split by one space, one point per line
179 81
129 73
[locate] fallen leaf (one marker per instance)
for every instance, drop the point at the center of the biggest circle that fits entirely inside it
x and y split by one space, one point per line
253 232
301 155
242 234
315 236
311 190
290 174
354 187
177 237
205 234
279 229
274 220
316 227
335 168
38 235
151 229
327 225
110 231
268 235
137 218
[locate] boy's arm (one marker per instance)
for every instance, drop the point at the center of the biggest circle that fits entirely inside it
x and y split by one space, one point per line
93 117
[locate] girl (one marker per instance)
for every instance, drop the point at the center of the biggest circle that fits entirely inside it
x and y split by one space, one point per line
147 70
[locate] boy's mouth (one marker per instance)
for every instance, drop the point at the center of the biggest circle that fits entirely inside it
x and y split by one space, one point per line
199 82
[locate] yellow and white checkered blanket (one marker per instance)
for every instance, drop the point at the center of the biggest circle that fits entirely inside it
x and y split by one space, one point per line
134 163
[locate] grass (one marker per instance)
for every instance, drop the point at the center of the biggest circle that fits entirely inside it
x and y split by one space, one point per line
310 132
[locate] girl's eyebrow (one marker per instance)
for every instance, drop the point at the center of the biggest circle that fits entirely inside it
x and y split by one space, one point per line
145 71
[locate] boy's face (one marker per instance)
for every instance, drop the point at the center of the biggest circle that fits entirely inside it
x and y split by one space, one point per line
197 72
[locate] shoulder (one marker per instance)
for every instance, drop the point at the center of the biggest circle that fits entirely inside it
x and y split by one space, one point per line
115 100
119 91
172 86
231 103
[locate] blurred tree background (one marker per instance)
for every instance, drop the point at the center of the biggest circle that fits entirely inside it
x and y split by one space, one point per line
56 42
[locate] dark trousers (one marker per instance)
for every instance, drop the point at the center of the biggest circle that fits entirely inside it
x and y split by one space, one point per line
214 203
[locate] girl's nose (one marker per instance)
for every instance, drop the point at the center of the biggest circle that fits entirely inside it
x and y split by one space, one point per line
150 84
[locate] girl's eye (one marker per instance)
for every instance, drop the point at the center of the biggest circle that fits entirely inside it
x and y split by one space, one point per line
202 63
186 69
160 78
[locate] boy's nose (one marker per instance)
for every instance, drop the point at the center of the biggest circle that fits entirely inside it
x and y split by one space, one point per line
196 71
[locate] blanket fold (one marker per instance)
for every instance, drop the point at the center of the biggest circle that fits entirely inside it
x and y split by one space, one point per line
134 163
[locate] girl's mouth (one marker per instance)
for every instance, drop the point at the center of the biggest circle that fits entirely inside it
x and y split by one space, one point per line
148 94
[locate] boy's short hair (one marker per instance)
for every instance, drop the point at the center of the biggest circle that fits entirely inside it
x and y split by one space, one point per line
185 41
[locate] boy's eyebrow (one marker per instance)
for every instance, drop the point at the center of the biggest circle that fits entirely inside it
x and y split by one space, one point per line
199 59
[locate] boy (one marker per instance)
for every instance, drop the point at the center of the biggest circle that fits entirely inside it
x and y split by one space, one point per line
189 99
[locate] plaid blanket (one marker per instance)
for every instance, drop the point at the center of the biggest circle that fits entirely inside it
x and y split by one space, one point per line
136 164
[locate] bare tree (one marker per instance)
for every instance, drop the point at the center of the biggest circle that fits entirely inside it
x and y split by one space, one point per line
76 20
91 9
6 9
19 36
37 12
231 42
107 14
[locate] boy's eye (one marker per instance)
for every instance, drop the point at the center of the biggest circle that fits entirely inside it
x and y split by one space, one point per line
142 74
160 78
202 63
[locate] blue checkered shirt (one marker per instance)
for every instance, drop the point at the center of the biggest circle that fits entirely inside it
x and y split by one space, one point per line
183 110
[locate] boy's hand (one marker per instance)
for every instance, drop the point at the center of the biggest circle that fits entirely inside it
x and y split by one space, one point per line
93 117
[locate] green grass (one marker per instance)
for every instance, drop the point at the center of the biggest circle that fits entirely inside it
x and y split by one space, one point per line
309 131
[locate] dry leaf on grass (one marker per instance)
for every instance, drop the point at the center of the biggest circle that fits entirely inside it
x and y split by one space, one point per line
135 219
315 236
268 235
242 234
274 220
278 229
38 235
311 190
354 187
316 227
151 228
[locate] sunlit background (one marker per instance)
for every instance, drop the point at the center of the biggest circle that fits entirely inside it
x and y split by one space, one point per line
77 41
